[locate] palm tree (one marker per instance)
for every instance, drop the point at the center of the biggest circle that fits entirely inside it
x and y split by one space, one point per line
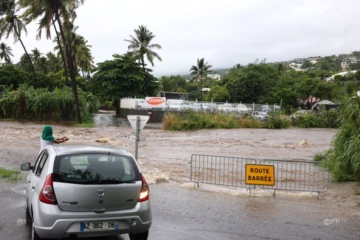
141 45
50 13
54 63
280 67
36 55
81 52
5 53
10 23
199 71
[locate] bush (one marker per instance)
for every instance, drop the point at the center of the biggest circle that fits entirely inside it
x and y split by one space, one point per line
276 121
42 104
191 120
249 122
344 158
310 121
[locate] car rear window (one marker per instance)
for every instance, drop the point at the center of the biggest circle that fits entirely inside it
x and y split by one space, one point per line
95 169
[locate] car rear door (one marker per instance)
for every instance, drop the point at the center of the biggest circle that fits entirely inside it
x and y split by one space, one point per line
35 174
104 183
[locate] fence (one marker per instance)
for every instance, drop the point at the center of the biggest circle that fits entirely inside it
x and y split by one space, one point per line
290 175
219 170
201 106
298 175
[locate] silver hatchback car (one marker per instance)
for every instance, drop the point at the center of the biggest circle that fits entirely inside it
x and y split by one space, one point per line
87 191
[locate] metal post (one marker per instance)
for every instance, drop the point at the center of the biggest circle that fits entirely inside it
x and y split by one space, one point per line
137 137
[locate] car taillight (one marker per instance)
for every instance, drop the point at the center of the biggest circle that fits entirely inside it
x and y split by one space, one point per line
47 194
145 191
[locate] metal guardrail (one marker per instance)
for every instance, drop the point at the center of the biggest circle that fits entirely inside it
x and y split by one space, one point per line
219 170
298 175
290 175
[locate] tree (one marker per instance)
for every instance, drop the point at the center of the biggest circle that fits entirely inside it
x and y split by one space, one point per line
81 52
198 71
280 67
11 75
51 12
218 94
141 45
117 78
5 53
310 89
53 62
10 23
284 90
172 83
306 64
329 64
250 84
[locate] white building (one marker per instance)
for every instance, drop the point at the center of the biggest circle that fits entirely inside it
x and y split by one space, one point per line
214 76
345 64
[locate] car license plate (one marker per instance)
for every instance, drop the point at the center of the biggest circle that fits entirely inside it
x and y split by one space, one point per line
93 226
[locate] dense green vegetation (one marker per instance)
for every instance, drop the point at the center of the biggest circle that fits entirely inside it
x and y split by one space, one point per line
191 120
344 158
42 104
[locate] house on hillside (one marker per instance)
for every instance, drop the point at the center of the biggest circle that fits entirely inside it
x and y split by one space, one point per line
345 64
296 66
214 76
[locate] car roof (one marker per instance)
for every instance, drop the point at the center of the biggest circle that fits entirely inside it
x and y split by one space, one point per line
77 148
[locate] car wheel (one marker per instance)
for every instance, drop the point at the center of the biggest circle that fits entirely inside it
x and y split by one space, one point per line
139 236
27 214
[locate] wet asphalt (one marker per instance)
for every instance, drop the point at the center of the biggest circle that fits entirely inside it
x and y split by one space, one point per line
181 213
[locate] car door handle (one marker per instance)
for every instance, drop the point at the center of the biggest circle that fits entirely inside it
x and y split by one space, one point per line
29 181
33 187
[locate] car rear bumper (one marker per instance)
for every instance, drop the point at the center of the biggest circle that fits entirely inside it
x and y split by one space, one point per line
51 222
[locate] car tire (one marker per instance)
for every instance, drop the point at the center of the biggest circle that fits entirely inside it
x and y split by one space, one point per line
27 214
139 236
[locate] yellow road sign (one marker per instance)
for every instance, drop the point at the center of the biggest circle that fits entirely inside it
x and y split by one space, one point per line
257 174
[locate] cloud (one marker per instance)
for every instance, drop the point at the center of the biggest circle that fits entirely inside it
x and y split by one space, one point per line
223 32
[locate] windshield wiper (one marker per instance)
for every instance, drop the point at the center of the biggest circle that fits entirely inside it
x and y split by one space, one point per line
110 181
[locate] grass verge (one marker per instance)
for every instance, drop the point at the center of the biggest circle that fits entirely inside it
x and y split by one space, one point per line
10 175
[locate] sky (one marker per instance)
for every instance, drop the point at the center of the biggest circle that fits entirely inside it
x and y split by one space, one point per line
224 32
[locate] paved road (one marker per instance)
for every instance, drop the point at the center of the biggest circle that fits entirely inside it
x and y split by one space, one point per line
192 214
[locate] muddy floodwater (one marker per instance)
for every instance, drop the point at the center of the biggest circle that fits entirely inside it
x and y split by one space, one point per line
164 156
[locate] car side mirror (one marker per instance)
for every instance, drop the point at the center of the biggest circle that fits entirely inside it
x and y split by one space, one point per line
26 166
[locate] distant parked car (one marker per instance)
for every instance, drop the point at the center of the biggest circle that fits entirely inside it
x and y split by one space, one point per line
265 108
81 191
226 107
260 115
299 113
210 107
177 105
196 107
241 108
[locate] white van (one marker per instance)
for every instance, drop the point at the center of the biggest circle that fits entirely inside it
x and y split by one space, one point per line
177 105
141 104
